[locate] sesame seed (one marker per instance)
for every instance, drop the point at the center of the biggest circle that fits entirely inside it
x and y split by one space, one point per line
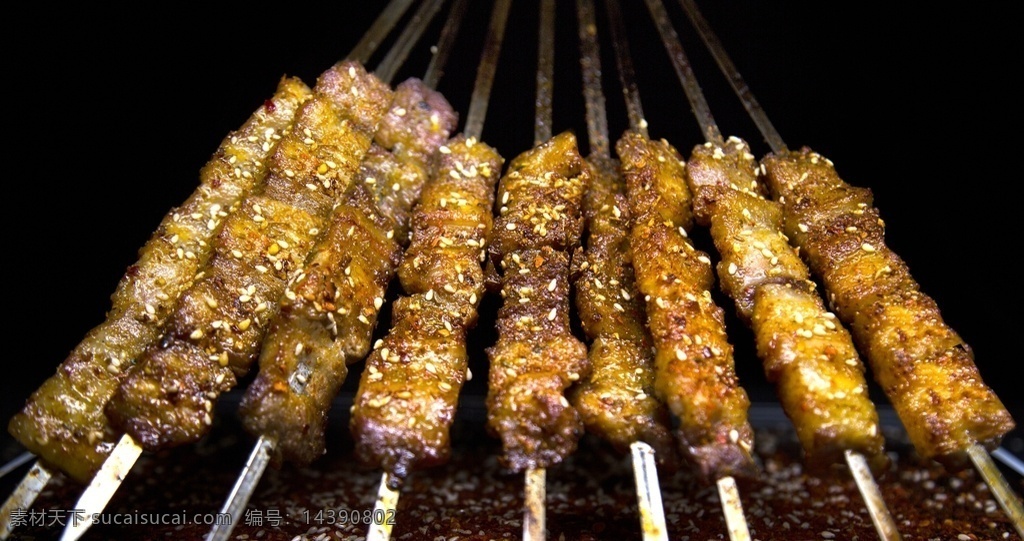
552 314
363 319
732 268
510 226
867 247
196 334
244 324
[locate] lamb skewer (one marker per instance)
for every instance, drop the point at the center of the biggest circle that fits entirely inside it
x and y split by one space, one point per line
329 312
212 327
616 401
949 413
813 360
63 421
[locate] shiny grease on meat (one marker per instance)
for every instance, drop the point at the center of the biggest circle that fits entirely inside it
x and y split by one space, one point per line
695 372
218 326
806 352
408 393
536 357
63 422
925 368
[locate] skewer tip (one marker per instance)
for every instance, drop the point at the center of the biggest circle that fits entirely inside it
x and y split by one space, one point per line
868 487
103 486
1009 501
648 493
535 488
735 521
385 507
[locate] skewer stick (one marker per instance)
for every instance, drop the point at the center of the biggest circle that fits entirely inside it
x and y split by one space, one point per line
880 516
545 72
379 30
407 40
386 504
979 456
731 505
535 479
648 493
771 135
23 496
127 451
485 72
624 62
534 515
1009 501
244 486
735 521
16 462
648 490
260 456
103 486
385 507
445 43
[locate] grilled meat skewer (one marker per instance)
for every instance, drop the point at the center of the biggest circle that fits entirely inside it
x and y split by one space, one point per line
536 356
924 366
695 373
409 389
329 312
806 352
616 401
217 327
63 421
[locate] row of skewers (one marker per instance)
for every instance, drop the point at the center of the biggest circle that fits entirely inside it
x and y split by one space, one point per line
330 298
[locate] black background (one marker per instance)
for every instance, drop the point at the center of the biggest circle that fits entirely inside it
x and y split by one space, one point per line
109 122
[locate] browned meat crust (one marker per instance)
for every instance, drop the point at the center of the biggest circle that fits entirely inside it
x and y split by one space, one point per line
329 312
695 372
409 390
922 364
806 352
536 356
63 421
616 401
218 325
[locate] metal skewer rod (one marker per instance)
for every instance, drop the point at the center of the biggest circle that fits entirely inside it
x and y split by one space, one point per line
728 493
535 479
624 63
445 43
127 451
23 496
388 492
254 468
760 118
485 71
545 73
645 472
378 31
407 40
880 516
1010 503
16 462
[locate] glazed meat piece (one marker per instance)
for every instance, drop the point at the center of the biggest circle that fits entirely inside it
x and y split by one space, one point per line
218 325
616 401
924 367
409 390
805 350
536 356
328 314
694 368
63 421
